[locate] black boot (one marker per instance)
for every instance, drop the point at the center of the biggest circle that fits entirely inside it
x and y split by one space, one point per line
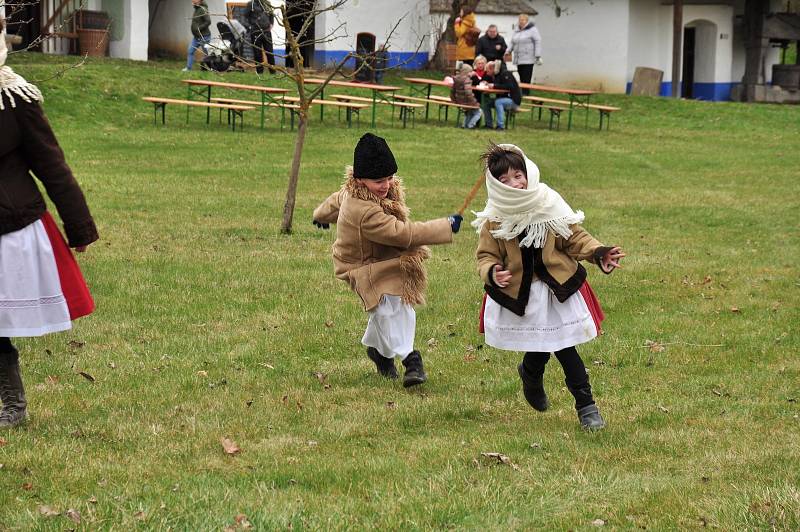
385 365
533 389
588 413
415 373
12 392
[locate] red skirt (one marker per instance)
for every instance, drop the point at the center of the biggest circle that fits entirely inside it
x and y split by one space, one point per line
73 285
592 303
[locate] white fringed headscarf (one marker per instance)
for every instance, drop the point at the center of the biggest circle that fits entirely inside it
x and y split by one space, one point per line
535 210
12 83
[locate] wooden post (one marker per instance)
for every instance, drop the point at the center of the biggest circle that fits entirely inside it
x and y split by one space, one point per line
677 43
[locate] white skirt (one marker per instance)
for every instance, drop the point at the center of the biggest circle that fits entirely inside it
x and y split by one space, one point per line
547 326
31 300
391 328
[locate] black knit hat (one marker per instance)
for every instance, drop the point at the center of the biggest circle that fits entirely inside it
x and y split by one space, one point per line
372 158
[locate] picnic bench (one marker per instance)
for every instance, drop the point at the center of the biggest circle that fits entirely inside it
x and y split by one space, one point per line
405 107
203 87
283 106
352 108
541 102
234 109
443 102
379 92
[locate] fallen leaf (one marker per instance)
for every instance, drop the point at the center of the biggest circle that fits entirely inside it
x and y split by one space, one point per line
320 377
734 309
663 409
51 379
598 363
654 347
469 358
27 486
432 342
707 279
500 458
312 443
391 405
284 399
46 511
74 515
229 446
328 324
76 344
249 403
140 516
202 373
86 376
112 365
242 521
3 441
48 352
598 522
92 500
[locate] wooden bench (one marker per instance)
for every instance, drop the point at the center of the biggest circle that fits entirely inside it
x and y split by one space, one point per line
604 110
234 110
351 108
405 107
282 106
443 102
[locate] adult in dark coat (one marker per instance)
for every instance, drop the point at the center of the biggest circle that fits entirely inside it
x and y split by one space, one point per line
260 18
491 45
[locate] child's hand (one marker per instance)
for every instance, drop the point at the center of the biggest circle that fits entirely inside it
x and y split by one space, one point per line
611 259
501 277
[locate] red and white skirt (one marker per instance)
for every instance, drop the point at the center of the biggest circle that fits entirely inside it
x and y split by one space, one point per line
41 286
548 324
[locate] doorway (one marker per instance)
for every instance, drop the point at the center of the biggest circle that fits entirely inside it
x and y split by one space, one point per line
23 18
687 83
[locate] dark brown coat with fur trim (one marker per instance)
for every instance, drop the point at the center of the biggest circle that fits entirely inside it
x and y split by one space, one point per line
378 250
28 145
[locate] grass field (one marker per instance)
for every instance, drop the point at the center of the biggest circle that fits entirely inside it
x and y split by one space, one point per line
210 324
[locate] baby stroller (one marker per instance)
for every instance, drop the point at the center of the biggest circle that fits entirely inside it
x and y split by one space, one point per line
222 52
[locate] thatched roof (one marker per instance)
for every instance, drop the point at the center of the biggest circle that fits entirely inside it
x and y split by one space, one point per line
490 7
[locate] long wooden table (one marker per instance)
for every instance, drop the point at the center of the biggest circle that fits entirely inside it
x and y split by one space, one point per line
378 92
577 98
203 87
424 89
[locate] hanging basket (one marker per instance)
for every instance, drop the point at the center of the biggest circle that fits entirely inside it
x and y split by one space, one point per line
93 43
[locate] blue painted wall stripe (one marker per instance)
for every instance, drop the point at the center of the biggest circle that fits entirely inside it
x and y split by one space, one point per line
716 92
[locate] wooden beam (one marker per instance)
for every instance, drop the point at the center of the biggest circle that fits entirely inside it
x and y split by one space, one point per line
677 43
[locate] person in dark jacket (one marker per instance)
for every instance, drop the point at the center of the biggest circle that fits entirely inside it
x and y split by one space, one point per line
201 33
260 18
503 79
41 287
491 45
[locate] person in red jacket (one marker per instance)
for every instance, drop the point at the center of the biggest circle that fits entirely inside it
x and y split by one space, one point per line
41 287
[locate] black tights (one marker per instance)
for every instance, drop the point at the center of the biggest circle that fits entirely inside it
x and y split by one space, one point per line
576 378
8 354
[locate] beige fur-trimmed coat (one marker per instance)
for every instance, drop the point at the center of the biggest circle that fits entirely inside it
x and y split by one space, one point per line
378 249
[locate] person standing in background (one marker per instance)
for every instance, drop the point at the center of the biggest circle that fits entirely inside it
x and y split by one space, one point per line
467 33
491 45
526 49
201 22
261 19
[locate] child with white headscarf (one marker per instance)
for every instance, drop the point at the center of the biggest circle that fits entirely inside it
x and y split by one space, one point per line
538 299
41 286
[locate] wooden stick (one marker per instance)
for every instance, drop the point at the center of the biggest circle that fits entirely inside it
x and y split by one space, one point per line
475 188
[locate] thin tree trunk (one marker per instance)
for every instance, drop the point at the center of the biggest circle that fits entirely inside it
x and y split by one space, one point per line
291 192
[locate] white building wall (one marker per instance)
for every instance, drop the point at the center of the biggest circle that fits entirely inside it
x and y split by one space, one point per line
407 25
134 41
587 46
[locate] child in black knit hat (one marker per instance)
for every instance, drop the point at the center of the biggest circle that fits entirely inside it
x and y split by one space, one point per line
379 252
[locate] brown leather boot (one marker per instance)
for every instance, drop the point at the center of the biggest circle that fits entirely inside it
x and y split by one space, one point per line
12 394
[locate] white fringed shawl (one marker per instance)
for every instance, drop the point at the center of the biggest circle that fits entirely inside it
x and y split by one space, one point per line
12 83
536 211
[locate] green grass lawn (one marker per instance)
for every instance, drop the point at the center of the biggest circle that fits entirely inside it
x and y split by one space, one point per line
212 324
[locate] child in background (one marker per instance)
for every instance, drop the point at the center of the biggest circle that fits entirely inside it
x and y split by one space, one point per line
379 252
538 299
461 93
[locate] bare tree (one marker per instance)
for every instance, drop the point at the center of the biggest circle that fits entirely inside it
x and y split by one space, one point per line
295 41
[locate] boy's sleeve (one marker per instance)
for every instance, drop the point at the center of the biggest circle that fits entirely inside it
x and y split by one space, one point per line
582 246
488 254
328 210
385 229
